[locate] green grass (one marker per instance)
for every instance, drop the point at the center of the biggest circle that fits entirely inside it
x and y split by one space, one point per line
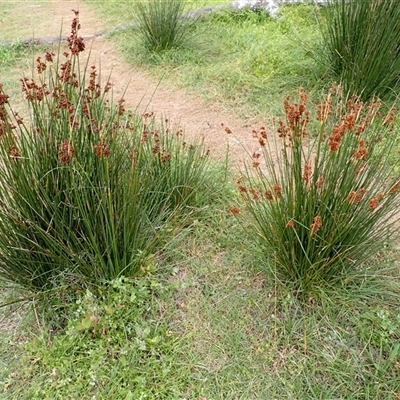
208 323
254 340
213 327
83 350
248 67
11 54
27 23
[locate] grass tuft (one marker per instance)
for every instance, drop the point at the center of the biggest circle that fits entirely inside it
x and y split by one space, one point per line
89 189
361 47
161 24
322 192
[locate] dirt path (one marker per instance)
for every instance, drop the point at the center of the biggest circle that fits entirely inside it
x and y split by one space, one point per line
189 111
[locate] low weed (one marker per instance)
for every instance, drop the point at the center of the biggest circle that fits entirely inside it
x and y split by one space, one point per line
322 193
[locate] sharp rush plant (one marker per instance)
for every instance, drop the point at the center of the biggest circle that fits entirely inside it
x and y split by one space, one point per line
361 45
88 189
322 193
161 24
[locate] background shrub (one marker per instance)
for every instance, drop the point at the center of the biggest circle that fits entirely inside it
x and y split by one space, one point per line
361 45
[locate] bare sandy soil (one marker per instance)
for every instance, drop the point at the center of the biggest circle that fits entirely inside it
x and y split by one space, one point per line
139 89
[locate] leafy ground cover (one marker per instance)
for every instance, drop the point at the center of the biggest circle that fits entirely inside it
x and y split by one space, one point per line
206 322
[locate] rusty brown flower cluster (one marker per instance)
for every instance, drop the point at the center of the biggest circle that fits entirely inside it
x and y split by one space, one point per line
234 210
390 118
3 97
93 89
362 151
65 74
320 182
101 150
13 151
274 193
395 188
256 159
356 120
307 172
66 152
40 66
297 114
290 224
316 225
355 196
3 113
34 92
76 43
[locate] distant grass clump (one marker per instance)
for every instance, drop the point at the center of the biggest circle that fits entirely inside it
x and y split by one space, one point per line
361 46
327 198
88 189
161 24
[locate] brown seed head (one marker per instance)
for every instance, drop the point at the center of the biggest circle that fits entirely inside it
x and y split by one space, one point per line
316 225
40 66
390 118
394 188
290 224
49 56
3 98
254 193
307 172
234 210
277 189
101 150
66 152
13 152
268 195
356 196
373 203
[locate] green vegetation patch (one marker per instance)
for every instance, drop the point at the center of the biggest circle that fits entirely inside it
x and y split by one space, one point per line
112 345
223 314
247 66
12 53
